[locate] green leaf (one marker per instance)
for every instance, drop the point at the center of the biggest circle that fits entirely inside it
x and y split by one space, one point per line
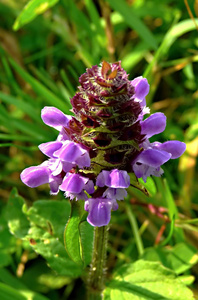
44 231
12 288
46 235
79 235
182 257
8 293
86 239
134 22
135 183
17 220
53 250
146 281
179 258
51 215
72 234
32 9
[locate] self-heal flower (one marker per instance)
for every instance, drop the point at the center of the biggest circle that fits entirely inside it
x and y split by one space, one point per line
106 139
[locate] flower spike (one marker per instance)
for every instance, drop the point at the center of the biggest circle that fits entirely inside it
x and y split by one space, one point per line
105 140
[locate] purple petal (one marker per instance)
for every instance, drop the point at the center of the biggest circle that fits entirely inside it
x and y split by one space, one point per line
153 157
176 148
117 194
73 183
76 196
83 160
50 147
102 178
141 87
54 165
67 166
73 153
89 187
35 176
99 211
144 171
154 124
55 182
115 179
54 117
118 179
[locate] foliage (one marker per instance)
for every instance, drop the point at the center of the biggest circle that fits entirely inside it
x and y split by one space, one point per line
45 243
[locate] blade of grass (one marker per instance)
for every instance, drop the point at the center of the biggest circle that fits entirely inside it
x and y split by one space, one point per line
134 22
22 105
175 32
31 10
16 137
40 89
67 82
33 148
135 229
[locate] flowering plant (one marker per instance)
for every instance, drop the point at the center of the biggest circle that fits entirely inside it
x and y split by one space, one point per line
105 141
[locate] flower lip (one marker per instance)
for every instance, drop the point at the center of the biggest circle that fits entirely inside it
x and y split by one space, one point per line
153 157
35 176
100 210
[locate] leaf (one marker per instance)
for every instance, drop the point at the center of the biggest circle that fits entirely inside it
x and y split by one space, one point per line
53 250
134 22
44 231
135 183
52 215
86 240
31 10
179 258
146 281
79 235
8 293
182 257
46 235
17 221
12 288
72 234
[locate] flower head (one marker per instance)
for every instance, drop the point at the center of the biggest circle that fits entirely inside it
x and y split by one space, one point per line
105 139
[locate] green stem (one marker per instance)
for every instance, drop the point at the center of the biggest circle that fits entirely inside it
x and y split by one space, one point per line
95 282
135 229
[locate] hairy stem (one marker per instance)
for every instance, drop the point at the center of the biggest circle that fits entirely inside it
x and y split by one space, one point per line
97 271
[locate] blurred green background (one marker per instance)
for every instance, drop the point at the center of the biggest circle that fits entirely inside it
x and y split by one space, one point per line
44 48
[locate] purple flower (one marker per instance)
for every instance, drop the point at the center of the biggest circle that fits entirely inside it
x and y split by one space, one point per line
114 179
106 139
73 153
38 175
75 186
149 161
100 210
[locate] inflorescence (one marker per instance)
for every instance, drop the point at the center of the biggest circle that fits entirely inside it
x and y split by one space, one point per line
103 142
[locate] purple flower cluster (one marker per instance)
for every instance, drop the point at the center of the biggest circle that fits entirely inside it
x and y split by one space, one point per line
106 139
